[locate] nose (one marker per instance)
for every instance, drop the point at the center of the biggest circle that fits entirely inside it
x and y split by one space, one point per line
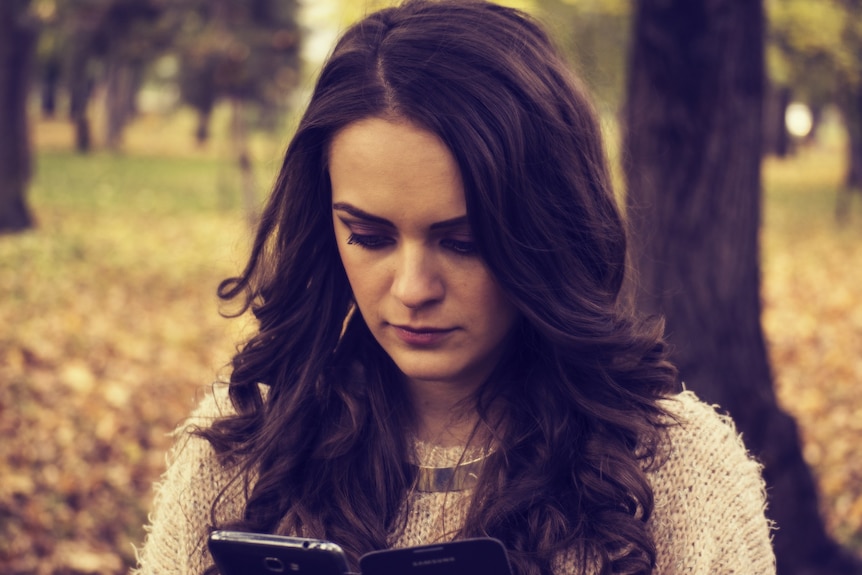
417 281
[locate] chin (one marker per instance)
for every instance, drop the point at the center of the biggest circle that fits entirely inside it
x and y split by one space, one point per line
428 374
438 372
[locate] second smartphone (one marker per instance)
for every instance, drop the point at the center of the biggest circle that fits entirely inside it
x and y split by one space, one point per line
481 556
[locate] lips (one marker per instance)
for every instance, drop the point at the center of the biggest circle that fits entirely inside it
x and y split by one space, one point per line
421 336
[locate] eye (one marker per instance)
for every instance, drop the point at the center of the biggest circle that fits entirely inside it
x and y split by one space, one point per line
464 248
368 241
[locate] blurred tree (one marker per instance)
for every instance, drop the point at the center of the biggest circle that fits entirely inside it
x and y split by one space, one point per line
131 35
816 50
595 35
18 33
852 101
111 42
692 145
239 50
49 60
79 21
246 52
776 138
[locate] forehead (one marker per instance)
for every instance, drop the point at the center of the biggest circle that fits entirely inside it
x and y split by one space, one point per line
383 165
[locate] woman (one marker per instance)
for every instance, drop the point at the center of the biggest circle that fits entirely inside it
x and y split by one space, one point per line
441 351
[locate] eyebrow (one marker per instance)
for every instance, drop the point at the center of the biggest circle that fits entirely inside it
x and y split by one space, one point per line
363 215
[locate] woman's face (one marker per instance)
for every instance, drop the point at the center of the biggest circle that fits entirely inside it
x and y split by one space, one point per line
400 222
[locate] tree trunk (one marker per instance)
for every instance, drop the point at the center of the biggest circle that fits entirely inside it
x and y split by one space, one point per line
239 133
816 117
202 129
118 83
853 178
776 139
123 80
693 146
49 83
17 45
80 89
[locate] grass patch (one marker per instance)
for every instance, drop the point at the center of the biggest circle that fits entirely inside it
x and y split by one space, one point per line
131 185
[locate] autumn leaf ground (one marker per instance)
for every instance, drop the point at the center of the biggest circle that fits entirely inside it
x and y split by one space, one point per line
110 331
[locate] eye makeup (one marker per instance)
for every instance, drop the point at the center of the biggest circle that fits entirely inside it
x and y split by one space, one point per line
373 232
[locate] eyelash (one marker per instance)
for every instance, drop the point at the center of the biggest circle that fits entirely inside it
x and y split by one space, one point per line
368 242
460 247
372 242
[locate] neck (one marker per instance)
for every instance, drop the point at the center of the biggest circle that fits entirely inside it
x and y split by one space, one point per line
445 414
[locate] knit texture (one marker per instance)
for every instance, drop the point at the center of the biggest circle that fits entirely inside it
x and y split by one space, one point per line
708 518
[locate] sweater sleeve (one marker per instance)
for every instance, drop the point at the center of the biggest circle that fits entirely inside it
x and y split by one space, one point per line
710 498
181 514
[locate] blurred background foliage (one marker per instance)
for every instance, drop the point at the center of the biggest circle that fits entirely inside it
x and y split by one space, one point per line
130 56
157 127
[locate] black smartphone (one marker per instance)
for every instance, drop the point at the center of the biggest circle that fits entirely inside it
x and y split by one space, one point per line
480 556
238 553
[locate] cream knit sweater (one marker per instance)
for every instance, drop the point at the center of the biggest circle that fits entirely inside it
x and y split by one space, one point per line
708 517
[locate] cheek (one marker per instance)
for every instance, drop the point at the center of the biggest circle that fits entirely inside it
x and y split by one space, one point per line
499 313
349 257
363 277
353 269
504 315
347 262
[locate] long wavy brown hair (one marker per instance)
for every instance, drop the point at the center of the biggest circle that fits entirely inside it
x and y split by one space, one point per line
324 453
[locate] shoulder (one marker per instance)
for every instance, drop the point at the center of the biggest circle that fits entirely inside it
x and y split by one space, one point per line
192 459
709 493
184 496
214 405
697 429
704 455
